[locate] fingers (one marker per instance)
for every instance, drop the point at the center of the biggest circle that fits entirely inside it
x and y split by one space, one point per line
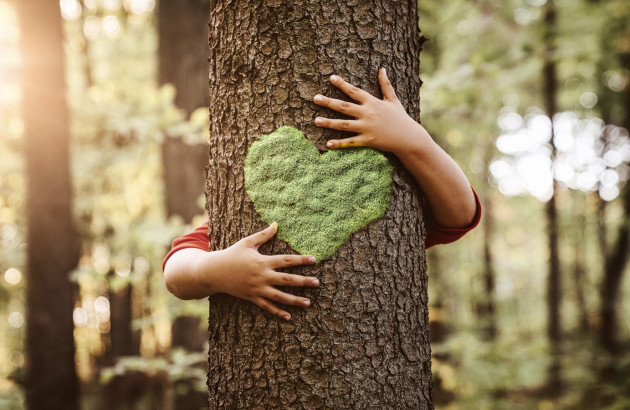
341 125
343 107
386 86
271 308
286 298
263 236
281 261
347 143
350 90
286 279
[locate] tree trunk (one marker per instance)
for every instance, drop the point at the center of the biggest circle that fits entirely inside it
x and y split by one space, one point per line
183 62
554 280
52 240
617 260
124 340
364 341
489 309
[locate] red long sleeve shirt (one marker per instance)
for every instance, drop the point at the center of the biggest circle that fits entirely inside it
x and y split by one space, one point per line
436 234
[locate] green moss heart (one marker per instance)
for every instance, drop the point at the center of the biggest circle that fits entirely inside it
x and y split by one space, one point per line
317 200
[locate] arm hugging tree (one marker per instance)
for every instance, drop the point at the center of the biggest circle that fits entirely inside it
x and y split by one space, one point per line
364 340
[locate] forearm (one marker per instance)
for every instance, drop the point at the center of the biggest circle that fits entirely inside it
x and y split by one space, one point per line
187 274
444 184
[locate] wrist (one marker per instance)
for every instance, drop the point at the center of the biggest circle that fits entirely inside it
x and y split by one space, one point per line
208 271
417 144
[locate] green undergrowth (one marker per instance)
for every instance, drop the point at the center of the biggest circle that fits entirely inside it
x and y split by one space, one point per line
317 200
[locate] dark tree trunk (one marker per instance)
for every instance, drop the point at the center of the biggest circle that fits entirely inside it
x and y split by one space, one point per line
183 62
617 260
554 280
364 341
489 309
615 265
52 240
124 341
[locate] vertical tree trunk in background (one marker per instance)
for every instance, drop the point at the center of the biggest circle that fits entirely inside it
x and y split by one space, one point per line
554 280
489 309
364 341
183 62
617 259
124 340
52 241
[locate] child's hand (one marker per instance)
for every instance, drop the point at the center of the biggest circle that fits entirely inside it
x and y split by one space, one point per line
253 276
380 124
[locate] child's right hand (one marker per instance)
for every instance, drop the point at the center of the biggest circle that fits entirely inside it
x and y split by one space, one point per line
249 275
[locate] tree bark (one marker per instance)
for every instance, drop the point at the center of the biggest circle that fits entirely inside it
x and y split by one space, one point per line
52 240
364 341
554 279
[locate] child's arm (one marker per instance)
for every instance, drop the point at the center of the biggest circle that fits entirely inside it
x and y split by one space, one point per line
385 125
240 271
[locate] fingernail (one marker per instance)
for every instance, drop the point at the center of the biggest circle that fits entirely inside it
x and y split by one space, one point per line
384 71
286 317
274 225
318 98
306 302
333 78
330 144
315 282
311 259
319 120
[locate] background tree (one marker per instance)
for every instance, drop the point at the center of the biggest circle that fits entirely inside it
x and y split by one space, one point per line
183 62
364 339
554 284
53 246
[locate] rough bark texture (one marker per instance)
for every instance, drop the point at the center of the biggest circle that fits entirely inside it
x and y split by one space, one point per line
182 54
52 240
364 342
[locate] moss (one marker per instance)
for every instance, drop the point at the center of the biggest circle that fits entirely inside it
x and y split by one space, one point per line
317 200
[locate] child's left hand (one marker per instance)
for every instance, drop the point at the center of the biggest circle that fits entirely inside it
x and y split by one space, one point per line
380 124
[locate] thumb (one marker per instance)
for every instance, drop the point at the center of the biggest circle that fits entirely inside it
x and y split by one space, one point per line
386 86
263 236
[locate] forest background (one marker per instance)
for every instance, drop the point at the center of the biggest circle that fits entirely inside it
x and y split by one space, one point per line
510 329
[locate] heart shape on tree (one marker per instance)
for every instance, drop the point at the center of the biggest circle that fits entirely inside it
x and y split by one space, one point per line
317 200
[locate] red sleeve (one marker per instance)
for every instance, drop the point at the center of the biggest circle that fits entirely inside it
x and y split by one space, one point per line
196 239
437 234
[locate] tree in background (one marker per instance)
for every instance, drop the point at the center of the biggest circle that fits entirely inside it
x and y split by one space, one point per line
554 278
364 340
616 107
52 241
183 62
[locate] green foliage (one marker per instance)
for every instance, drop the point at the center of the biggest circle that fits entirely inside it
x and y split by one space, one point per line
317 200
